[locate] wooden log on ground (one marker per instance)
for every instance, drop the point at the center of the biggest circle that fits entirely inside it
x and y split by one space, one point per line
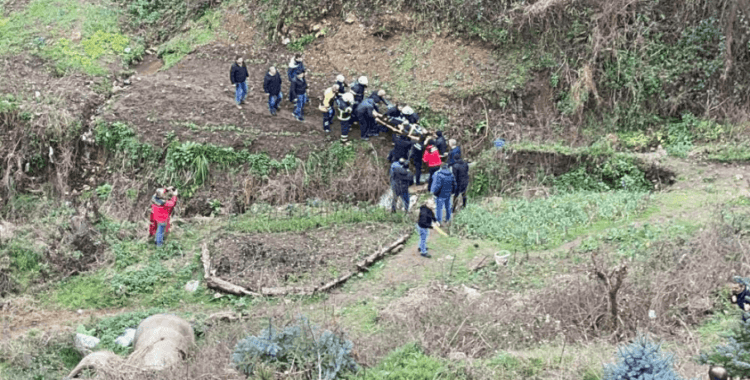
288 291
206 259
378 255
217 283
335 282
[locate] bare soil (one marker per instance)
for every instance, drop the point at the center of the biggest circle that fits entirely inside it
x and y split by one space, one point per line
311 258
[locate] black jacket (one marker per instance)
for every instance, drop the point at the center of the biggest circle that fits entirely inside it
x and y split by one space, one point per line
401 150
461 173
299 87
238 74
417 152
272 84
441 145
359 92
426 217
393 112
342 87
401 179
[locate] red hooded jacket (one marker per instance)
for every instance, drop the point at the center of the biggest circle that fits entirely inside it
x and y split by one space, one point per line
432 156
162 213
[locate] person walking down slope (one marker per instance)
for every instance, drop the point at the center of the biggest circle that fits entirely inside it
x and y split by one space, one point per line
238 76
443 186
461 172
299 92
272 86
344 105
433 161
426 221
295 67
329 97
401 178
161 211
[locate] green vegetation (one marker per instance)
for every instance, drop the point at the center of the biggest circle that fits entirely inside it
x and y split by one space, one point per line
200 32
409 362
542 222
616 172
73 36
109 328
299 43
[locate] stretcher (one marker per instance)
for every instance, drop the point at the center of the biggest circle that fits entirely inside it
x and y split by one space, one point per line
412 131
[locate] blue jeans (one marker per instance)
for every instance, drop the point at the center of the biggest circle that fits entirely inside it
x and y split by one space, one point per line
404 196
423 234
274 101
328 118
443 203
240 92
298 111
160 229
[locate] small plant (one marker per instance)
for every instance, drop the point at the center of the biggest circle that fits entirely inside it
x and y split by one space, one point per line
640 360
215 205
299 43
302 344
103 191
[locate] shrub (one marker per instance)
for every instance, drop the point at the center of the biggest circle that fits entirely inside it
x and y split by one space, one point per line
140 281
641 360
734 356
408 362
301 344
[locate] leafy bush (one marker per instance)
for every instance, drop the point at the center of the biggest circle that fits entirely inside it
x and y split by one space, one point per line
617 172
301 344
734 356
641 360
531 223
299 43
103 191
140 281
121 139
408 362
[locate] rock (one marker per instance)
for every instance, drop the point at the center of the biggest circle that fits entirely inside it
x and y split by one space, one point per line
84 343
316 28
116 89
350 19
321 33
500 259
192 286
285 41
37 94
738 177
126 338
126 82
457 356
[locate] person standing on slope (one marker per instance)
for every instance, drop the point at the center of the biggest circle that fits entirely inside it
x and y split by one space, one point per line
238 76
329 97
299 92
295 67
426 222
272 86
161 211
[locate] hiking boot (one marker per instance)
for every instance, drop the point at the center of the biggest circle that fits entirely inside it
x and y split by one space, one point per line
427 255
239 107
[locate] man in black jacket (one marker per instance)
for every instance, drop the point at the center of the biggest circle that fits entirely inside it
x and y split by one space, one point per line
299 92
401 178
461 173
440 144
415 155
426 221
272 86
238 75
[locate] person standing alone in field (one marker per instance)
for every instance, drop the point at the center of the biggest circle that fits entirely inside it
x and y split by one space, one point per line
162 205
272 86
238 76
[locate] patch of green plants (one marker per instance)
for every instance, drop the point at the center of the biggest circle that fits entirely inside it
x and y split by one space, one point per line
409 362
303 219
200 32
38 355
109 328
121 139
21 262
88 291
736 152
139 281
526 223
618 172
299 43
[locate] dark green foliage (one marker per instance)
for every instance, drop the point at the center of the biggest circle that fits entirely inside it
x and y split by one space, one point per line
734 356
121 139
408 362
641 360
299 43
301 344
616 173
140 281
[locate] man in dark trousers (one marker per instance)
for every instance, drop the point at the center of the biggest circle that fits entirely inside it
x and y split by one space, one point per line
401 148
461 172
415 155
358 89
366 115
400 180
426 222
296 66
272 87
329 97
344 103
238 75
440 144
299 92
443 186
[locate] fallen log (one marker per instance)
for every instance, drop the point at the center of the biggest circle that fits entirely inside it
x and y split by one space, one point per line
217 283
378 255
288 291
335 282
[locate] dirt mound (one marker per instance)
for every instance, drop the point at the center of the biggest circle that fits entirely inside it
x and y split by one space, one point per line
287 259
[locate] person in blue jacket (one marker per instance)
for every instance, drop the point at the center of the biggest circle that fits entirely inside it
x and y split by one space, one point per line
443 186
426 221
299 92
238 76
295 67
455 151
272 87
461 173
366 115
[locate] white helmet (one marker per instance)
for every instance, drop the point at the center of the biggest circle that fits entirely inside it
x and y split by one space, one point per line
348 97
407 111
340 78
362 80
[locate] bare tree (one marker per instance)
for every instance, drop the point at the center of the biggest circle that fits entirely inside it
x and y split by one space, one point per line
612 280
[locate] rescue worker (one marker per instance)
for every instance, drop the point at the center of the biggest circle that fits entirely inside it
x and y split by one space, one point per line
329 97
443 186
416 155
440 144
401 178
299 92
426 221
366 115
410 115
272 87
741 296
344 104
461 172
341 81
358 89
161 211
377 98
455 151
238 75
401 148
295 67
432 159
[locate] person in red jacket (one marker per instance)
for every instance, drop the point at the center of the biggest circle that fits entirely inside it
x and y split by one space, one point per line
161 210
432 159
